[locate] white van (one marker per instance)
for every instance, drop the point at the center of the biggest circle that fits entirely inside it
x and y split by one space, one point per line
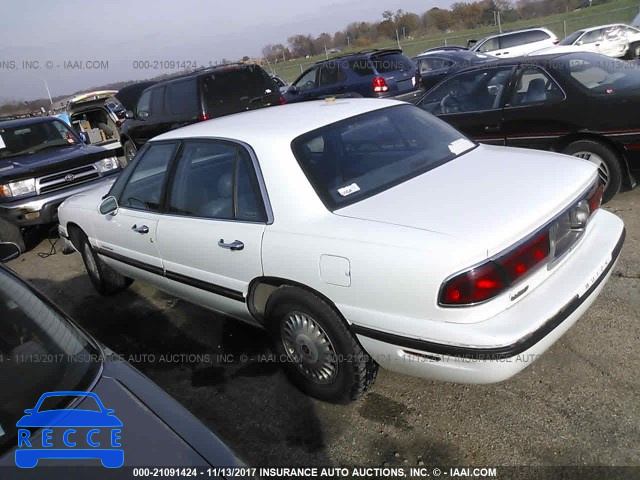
516 43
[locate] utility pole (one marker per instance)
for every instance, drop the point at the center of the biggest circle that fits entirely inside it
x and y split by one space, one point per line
404 33
48 93
326 54
348 41
398 39
499 25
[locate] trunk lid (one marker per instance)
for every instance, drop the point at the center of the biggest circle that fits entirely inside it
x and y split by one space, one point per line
494 196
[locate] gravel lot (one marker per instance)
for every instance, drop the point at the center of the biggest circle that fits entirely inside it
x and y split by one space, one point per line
577 405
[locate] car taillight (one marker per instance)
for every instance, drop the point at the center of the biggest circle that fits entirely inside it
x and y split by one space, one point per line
495 276
282 101
380 85
204 116
595 197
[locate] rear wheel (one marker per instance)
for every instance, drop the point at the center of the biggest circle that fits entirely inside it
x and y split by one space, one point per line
321 355
104 278
11 233
130 151
607 161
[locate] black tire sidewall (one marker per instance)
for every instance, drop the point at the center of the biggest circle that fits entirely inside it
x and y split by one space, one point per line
610 158
98 282
339 391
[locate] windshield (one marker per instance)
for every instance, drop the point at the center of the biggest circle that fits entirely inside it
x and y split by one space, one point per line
29 138
40 351
602 74
361 156
571 38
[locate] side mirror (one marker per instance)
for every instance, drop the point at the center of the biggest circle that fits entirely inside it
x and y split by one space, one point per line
8 251
580 42
109 206
128 114
143 115
293 90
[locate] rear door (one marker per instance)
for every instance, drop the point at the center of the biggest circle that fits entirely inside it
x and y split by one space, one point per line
127 240
536 111
472 102
211 236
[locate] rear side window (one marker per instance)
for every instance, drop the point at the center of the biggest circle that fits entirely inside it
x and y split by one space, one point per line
361 156
234 85
361 67
183 97
157 100
393 62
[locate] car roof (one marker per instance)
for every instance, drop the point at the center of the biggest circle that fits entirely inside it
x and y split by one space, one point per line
205 71
25 121
363 54
282 122
509 32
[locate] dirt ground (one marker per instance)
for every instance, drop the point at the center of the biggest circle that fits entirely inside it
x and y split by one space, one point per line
577 405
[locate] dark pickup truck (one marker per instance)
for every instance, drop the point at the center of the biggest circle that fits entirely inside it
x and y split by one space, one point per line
43 162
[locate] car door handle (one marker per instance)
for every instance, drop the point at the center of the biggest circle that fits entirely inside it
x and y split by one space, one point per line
492 128
235 245
140 229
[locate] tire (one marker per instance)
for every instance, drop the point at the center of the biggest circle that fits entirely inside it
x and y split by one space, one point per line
322 357
634 51
607 160
129 149
104 278
12 233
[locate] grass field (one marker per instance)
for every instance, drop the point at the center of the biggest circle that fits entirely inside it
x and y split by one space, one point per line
561 24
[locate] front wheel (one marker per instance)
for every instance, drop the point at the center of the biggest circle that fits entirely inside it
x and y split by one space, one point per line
11 233
322 357
104 278
607 161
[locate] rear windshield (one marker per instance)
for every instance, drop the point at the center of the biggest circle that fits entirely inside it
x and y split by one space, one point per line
361 156
392 62
237 85
602 74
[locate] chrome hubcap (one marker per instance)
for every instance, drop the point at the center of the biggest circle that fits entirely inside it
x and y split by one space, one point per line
92 267
603 169
309 347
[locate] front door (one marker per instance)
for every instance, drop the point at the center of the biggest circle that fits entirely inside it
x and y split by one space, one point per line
127 240
211 235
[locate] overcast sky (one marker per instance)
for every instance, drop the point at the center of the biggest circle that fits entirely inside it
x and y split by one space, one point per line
122 31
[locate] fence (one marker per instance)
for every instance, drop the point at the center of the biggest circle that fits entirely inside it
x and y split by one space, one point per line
561 28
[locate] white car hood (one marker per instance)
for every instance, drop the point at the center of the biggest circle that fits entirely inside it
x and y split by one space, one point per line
493 195
90 199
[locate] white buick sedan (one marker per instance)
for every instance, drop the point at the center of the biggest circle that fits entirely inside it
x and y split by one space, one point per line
359 233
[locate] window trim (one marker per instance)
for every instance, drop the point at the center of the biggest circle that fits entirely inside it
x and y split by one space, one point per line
257 182
516 79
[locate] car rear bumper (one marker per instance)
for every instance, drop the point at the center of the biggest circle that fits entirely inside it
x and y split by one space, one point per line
561 300
43 209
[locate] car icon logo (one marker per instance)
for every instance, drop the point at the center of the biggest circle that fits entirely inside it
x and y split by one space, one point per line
77 433
69 178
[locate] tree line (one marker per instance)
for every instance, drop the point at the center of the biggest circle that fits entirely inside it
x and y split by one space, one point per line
406 25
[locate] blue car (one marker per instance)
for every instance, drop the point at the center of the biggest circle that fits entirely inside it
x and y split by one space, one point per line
371 73
27 455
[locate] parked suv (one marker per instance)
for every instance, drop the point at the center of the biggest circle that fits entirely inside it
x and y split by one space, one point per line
516 43
42 162
205 94
372 73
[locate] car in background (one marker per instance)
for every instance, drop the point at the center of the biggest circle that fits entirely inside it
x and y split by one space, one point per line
281 84
156 430
616 40
201 95
42 162
93 120
370 73
449 48
435 65
516 43
580 104
390 239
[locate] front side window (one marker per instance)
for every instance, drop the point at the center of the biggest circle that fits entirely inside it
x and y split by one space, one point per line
474 91
329 74
30 138
361 156
489 45
144 104
535 86
308 80
592 37
143 190
215 180
157 100
571 39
